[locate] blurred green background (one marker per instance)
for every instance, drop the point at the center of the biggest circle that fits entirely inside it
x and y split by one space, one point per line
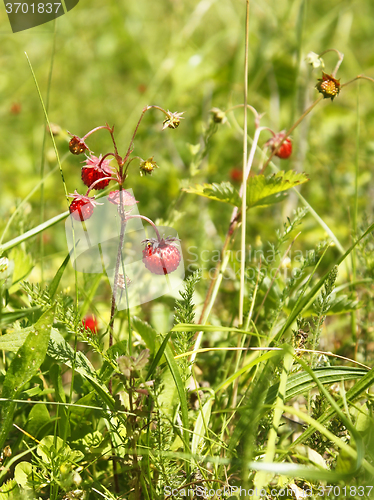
112 59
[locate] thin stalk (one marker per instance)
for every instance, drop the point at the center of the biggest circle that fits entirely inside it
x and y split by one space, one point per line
244 194
355 217
340 59
235 217
137 216
290 130
49 127
42 162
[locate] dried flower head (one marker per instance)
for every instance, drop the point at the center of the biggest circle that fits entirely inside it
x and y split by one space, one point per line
147 166
77 145
121 281
328 86
173 120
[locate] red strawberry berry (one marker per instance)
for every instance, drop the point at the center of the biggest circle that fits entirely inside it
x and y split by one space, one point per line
236 174
285 149
81 208
90 323
93 172
161 257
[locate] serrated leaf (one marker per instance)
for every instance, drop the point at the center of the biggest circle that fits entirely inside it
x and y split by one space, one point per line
265 190
224 192
338 305
60 350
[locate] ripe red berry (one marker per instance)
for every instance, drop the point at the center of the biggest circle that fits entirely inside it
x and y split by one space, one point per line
285 149
90 322
161 257
236 174
91 174
95 170
81 208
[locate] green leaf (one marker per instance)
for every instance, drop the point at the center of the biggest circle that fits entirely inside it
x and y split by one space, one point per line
10 317
147 333
60 351
38 419
24 366
265 190
11 342
302 382
224 192
338 305
193 327
199 430
182 399
22 266
56 280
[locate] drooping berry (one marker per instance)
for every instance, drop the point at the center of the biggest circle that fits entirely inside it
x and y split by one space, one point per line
328 86
94 171
161 257
90 323
285 148
77 145
82 207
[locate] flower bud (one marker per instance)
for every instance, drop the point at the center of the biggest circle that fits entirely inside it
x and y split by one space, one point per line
218 115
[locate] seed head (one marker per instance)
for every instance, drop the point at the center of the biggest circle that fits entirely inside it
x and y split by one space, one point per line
173 120
147 166
77 145
328 86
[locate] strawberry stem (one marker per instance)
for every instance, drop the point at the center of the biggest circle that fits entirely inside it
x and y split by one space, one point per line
149 221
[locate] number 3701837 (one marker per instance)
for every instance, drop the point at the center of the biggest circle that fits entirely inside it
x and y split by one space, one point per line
33 8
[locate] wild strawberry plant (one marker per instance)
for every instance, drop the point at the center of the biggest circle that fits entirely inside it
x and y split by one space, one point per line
242 394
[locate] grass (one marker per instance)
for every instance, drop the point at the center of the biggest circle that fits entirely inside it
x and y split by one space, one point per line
257 373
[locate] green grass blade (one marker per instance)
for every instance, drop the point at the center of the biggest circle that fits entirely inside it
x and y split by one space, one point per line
182 399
